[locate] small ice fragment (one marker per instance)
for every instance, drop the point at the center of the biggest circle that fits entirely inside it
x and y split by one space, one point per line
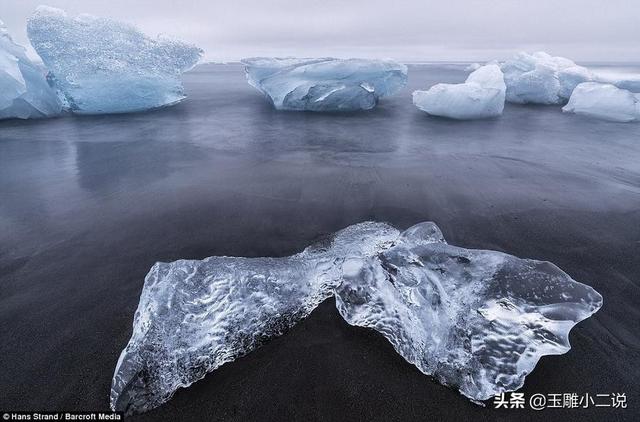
604 101
481 96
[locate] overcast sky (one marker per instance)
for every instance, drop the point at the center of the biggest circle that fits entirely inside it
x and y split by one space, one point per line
408 30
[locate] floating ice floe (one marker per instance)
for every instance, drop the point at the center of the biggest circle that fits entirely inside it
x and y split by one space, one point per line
481 96
604 101
539 78
24 92
104 66
325 84
476 320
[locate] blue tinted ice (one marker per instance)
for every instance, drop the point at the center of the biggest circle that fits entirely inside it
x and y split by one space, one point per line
325 84
24 92
103 66
540 78
475 320
481 96
194 316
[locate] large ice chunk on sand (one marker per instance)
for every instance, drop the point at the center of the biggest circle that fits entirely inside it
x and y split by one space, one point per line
104 66
481 96
539 78
194 316
604 101
24 92
476 320
325 84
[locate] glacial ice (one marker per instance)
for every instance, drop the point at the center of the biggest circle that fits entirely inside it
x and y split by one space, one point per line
472 67
570 78
604 101
194 316
481 96
325 84
630 82
539 78
24 92
99 65
476 320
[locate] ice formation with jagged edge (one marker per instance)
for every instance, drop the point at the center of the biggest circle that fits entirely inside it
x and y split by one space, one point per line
472 67
193 316
99 65
476 320
540 78
24 92
481 96
604 101
325 84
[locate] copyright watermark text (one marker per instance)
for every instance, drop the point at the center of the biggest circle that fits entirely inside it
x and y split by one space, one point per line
61 416
540 401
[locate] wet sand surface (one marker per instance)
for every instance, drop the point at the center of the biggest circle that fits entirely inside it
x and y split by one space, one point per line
88 204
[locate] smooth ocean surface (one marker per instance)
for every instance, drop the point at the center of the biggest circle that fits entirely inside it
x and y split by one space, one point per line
89 203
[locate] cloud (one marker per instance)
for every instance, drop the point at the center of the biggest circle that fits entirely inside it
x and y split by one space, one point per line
404 29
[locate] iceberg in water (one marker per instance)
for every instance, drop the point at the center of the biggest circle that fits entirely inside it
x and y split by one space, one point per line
476 320
325 84
539 78
604 101
24 92
481 96
103 66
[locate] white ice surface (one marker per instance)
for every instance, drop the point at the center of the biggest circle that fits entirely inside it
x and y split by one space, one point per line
481 96
604 101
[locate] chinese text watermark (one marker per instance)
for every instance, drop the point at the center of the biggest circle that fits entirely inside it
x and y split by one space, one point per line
540 401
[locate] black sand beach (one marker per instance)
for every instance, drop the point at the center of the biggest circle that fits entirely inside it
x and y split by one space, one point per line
88 204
